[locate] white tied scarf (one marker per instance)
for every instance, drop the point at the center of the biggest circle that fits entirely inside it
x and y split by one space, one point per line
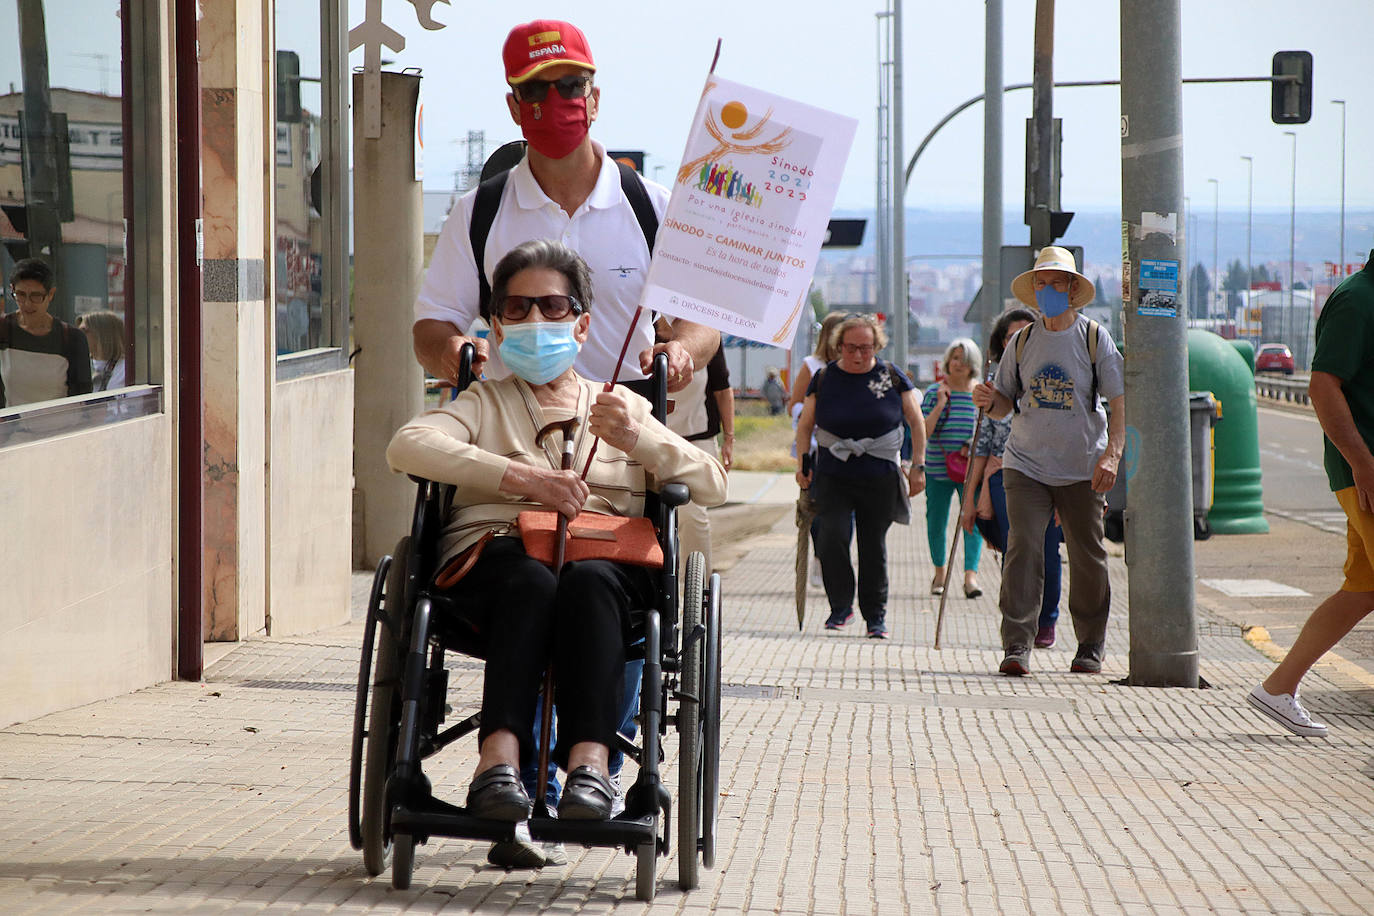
888 446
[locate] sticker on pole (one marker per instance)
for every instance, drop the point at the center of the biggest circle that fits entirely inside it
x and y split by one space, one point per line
743 230
1158 289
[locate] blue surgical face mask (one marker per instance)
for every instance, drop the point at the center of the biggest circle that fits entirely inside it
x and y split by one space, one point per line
539 351
1051 301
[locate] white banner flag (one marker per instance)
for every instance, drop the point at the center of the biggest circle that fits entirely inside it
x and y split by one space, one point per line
739 243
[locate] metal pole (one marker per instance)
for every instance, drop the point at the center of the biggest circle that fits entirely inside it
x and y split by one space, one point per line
992 165
1340 261
39 159
1216 268
1292 234
1249 211
1040 147
1159 514
901 307
389 386
883 214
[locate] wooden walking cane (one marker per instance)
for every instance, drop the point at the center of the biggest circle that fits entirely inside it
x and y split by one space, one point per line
954 541
560 543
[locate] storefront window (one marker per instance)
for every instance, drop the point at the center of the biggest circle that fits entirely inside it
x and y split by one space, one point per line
64 188
308 213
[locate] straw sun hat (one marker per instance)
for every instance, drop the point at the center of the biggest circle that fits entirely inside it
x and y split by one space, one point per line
1052 257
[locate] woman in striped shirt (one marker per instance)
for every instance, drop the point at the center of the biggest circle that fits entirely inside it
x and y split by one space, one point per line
950 417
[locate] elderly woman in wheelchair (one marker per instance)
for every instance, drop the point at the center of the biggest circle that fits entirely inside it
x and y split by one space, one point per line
494 443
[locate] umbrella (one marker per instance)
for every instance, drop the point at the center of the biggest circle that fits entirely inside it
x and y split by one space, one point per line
806 511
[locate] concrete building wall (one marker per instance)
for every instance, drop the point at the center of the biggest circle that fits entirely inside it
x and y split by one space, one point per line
88 607
312 512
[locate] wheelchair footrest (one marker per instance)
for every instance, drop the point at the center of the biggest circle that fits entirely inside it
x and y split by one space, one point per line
621 831
439 818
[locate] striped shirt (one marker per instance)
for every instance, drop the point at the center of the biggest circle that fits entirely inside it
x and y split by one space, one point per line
954 431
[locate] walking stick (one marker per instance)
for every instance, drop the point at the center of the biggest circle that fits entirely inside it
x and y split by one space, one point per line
559 552
954 541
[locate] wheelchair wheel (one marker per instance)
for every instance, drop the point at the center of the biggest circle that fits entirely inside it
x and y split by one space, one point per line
384 719
402 861
689 721
710 724
355 757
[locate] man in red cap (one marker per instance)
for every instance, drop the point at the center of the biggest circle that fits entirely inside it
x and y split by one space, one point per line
565 188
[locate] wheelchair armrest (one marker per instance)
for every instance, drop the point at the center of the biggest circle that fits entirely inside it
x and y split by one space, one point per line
674 495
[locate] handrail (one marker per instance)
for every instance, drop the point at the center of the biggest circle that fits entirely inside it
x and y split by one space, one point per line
1281 389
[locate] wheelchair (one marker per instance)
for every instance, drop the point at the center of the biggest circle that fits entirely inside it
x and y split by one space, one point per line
401 704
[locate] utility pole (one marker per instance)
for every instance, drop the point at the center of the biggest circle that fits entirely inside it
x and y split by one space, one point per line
1249 211
1216 267
1040 148
901 306
1340 262
1289 319
882 268
992 165
1159 514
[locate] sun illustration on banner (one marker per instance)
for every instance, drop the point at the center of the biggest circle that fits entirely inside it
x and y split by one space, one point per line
733 117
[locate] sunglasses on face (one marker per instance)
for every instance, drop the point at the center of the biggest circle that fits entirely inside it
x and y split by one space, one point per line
554 308
569 87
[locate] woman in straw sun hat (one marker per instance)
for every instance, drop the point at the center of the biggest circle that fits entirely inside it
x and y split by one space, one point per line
1062 455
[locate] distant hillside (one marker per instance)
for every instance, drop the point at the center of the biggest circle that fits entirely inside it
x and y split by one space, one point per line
1316 236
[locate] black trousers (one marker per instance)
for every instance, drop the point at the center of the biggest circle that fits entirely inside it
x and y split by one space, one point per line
582 620
873 503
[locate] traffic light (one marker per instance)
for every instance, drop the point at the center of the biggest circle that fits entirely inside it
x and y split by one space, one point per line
289 88
1290 101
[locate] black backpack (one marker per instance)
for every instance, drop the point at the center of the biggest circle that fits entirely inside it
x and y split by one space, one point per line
493 183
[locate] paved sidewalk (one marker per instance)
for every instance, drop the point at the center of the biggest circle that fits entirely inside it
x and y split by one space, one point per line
858 777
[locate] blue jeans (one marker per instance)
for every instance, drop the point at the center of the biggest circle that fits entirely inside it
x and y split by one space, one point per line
1054 535
939 492
529 773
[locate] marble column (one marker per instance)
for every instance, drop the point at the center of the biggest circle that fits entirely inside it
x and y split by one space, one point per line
236 349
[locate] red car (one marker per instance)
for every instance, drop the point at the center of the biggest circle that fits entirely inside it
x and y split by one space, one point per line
1274 357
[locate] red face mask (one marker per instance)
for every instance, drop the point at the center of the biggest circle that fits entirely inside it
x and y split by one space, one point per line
555 126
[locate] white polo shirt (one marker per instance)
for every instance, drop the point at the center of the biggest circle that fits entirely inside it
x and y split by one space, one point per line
603 231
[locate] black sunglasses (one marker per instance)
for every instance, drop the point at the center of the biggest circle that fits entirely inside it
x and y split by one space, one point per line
554 308
569 87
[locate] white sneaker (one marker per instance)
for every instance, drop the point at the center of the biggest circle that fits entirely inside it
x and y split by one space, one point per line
1285 709
555 854
814 573
618 802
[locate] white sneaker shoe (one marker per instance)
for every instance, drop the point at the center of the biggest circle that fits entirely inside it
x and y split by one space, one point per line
555 854
618 802
1285 709
814 573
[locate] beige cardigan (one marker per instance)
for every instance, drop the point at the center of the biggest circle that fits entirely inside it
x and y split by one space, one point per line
470 441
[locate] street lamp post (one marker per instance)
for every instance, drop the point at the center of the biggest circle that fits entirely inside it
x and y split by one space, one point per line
1292 235
1340 262
1249 210
1216 268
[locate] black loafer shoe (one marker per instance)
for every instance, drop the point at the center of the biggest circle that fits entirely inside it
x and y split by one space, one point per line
587 796
497 795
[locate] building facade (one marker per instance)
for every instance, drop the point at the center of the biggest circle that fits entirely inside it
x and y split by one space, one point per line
181 166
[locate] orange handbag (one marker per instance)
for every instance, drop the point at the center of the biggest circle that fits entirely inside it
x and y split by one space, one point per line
592 536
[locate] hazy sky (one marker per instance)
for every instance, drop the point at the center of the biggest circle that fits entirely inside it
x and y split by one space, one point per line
652 60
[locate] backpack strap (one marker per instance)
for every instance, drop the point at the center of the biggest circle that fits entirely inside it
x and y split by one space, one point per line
1094 331
1021 337
633 187
484 209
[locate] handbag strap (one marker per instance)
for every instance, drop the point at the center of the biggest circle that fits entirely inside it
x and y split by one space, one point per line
462 564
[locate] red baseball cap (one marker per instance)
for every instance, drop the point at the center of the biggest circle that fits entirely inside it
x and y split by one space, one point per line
541 44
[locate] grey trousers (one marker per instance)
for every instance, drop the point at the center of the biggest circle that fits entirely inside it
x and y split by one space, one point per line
1030 505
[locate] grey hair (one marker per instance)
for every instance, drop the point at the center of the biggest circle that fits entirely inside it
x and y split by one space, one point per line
545 253
972 355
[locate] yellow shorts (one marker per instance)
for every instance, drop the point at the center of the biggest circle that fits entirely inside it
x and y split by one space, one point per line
1359 538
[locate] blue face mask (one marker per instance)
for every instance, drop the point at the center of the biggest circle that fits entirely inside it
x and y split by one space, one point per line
539 351
1051 301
